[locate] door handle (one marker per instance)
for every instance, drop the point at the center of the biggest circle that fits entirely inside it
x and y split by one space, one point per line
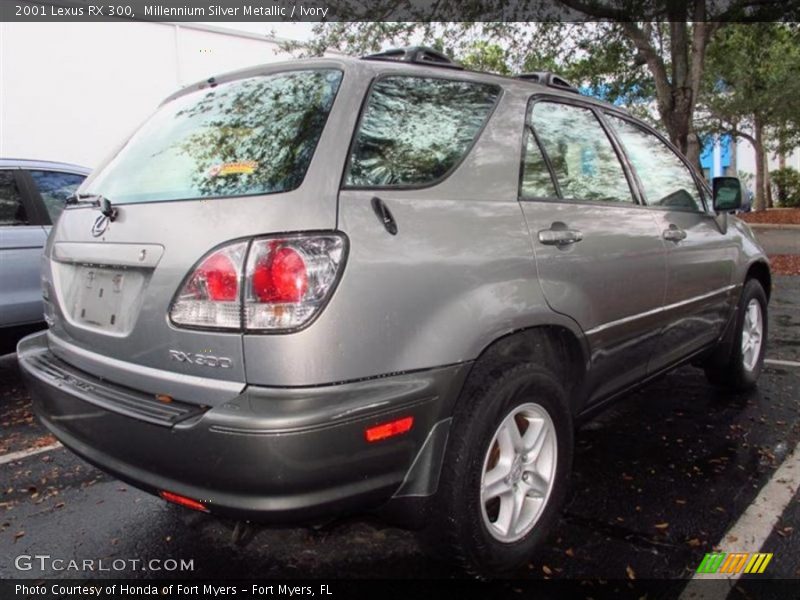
559 237
673 234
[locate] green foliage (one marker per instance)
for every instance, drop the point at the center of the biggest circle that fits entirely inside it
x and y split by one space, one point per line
787 187
752 74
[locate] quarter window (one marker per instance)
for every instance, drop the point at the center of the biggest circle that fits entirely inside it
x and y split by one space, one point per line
416 129
665 178
55 188
536 179
12 211
584 161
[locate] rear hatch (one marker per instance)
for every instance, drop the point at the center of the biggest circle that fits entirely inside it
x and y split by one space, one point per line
224 162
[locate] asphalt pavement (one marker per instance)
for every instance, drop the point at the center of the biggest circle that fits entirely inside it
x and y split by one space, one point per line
658 481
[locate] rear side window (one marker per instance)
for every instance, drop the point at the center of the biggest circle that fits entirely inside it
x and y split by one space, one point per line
414 130
54 188
665 178
250 136
584 161
12 211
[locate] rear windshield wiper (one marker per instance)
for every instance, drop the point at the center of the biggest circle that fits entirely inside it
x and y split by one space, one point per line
94 200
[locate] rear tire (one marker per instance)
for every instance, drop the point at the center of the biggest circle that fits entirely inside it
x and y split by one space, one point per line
742 366
500 492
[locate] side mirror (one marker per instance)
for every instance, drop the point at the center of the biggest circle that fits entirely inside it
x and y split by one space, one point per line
728 194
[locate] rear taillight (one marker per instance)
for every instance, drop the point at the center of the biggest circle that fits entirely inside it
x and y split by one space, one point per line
268 284
289 279
211 297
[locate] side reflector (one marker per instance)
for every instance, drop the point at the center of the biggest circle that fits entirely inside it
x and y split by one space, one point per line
182 501
390 429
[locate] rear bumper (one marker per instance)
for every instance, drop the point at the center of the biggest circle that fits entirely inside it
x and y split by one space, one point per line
281 455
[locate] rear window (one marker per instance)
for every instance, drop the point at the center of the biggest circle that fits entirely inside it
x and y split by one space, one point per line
414 130
251 136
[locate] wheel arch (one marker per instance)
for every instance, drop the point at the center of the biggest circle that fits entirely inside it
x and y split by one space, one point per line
760 271
555 346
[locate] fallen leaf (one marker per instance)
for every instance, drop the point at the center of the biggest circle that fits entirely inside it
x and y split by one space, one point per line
694 542
661 526
569 552
547 570
18 535
630 572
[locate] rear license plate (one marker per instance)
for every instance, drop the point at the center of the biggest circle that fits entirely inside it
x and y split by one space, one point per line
100 297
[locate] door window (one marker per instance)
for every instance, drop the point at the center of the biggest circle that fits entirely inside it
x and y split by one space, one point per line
666 179
584 161
12 210
54 188
416 129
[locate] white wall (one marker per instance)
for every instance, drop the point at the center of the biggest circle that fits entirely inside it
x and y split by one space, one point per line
72 92
746 158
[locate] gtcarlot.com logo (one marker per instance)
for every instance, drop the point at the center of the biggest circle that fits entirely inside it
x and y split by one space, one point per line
734 562
46 562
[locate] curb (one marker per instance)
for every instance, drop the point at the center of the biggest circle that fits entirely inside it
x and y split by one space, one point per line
786 226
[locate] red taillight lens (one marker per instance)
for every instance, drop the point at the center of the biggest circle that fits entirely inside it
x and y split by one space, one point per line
286 280
289 279
280 276
220 276
211 295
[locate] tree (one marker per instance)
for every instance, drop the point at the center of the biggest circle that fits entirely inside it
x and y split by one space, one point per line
752 90
658 50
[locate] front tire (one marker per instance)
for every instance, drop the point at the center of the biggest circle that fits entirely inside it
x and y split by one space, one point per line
506 469
742 366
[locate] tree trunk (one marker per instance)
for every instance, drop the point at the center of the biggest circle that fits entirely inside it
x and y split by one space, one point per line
761 199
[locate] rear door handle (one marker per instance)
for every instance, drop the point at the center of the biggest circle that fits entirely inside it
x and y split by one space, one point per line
559 237
673 234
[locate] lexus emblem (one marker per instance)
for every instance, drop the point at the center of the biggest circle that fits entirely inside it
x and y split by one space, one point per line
100 225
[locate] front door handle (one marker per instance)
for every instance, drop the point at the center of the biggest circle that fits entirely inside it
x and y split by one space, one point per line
559 236
673 234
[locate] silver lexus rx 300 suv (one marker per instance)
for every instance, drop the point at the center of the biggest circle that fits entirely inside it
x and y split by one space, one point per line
390 284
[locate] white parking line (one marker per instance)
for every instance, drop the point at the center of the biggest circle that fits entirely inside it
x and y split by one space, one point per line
7 458
781 363
752 529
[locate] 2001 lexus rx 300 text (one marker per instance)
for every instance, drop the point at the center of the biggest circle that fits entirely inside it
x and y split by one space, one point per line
389 284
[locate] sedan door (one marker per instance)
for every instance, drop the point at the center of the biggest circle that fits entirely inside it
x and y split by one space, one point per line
701 257
22 239
599 253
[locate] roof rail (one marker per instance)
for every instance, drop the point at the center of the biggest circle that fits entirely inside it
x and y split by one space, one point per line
550 80
420 55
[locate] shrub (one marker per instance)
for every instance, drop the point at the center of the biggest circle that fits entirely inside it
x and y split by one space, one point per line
786 187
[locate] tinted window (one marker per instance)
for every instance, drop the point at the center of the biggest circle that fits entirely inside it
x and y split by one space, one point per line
55 188
250 136
665 178
536 180
583 159
12 211
415 129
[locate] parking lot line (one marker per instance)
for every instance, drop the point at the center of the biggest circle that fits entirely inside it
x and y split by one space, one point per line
13 456
781 363
752 529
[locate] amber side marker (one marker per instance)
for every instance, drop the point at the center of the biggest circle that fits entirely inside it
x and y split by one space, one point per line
182 501
164 398
390 429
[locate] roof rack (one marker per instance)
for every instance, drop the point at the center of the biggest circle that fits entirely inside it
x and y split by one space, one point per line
550 80
420 55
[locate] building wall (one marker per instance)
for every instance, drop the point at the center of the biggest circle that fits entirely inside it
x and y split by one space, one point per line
73 92
746 158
